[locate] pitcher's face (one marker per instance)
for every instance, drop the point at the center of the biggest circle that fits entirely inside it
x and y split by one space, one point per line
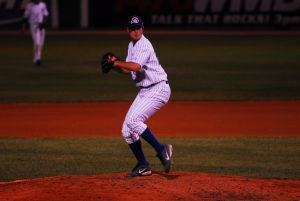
135 33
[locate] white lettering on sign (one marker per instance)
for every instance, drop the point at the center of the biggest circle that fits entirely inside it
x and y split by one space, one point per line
247 19
214 6
166 19
203 19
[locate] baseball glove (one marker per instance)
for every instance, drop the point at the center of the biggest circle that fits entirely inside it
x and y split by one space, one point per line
108 60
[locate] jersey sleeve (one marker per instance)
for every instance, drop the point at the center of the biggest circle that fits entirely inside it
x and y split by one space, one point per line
45 11
142 55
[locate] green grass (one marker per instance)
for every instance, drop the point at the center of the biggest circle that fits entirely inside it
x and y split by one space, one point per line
199 68
259 157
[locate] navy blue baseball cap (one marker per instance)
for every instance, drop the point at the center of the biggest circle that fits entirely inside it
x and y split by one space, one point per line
134 22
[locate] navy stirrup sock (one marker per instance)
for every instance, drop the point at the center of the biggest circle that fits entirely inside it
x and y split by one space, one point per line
149 137
137 150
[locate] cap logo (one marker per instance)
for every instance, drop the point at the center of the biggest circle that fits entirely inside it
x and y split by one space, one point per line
134 20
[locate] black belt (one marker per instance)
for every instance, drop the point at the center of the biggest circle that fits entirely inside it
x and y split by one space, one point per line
151 85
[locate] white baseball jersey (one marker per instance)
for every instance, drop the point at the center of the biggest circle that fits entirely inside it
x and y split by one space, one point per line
142 52
155 90
35 13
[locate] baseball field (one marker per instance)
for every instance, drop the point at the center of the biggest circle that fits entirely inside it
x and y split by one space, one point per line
233 119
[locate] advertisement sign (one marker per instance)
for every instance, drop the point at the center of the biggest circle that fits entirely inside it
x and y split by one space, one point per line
169 14
214 13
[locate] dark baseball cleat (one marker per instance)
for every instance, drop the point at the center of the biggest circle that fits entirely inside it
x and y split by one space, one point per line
165 157
140 170
38 62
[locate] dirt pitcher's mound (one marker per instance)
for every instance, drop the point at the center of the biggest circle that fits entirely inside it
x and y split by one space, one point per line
159 186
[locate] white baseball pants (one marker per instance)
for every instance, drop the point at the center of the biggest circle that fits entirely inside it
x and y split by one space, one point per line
38 37
147 102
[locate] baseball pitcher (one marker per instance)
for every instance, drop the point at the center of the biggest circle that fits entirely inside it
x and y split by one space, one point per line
147 73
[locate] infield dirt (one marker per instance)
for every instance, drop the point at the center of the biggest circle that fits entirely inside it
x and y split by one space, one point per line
275 118
245 118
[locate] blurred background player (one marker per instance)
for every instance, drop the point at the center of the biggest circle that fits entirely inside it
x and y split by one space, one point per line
143 65
35 15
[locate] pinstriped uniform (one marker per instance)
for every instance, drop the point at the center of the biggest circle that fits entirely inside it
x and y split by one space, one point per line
155 90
